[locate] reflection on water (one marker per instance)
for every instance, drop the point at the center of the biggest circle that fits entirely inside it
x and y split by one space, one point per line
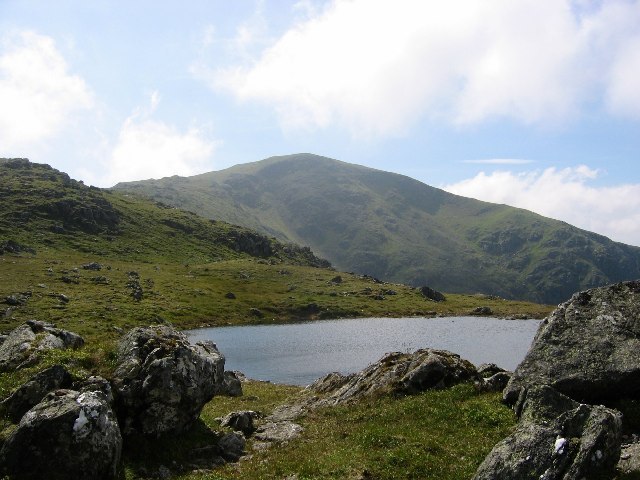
299 353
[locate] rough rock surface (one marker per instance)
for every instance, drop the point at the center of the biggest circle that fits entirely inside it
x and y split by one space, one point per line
232 384
556 438
278 432
405 373
432 294
34 390
67 435
23 345
241 421
587 348
161 381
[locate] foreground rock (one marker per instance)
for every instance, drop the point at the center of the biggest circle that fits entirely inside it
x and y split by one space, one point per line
398 374
34 390
556 438
587 348
22 347
161 381
68 435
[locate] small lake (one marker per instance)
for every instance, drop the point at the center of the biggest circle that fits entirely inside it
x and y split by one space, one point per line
300 353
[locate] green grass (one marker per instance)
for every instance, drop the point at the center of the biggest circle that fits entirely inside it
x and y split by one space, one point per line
441 435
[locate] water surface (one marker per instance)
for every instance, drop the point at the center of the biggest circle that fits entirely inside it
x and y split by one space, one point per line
302 352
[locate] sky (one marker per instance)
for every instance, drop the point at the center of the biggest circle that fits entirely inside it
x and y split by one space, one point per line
531 103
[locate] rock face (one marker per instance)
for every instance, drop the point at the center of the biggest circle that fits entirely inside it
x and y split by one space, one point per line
584 354
556 438
587 348
401 373
67 435
161 381
33 391
22 346
432 294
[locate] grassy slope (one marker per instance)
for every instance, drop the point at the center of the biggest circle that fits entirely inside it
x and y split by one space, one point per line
396 228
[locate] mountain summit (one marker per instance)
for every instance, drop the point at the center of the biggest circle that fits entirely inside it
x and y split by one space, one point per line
399 229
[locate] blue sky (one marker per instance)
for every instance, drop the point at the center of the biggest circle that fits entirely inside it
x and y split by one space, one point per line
532 103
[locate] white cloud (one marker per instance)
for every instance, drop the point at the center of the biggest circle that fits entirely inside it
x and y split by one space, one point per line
37 93
148 148
375 67
563 194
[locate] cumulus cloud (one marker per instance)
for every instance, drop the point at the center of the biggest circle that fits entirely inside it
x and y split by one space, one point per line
148 148
376 67
38 94
564 194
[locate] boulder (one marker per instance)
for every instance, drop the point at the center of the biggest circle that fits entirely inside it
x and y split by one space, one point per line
487 370
406 373
161 381
68 434
231 446
587 348
556 438
23 345
241 421
329 383
232 384
278 432
432 294
34 390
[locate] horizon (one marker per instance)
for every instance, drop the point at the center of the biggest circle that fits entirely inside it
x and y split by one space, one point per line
532 105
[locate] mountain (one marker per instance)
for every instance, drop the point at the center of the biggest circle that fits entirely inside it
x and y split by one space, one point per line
401 230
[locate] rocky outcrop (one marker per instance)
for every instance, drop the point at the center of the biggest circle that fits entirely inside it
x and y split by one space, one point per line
161 381
34 390
587 348
556 438
584 356
23 345
68 434
400 374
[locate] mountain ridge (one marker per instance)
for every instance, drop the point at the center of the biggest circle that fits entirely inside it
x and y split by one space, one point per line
399 229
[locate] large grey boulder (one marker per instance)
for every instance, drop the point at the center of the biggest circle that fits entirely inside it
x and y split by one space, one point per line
400 374
33 391
161 381
23 345
587 348
68 435
556 439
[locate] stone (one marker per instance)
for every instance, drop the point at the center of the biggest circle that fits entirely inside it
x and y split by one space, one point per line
33 391
278 432
232 384
92 266
587 348
17 299
161 381
95 384
487 370
329 383
337 279
432 294
23 345
256 312
68 434
556 438
230 296
406 373
481 311
629 459
496 382
241 421
231 446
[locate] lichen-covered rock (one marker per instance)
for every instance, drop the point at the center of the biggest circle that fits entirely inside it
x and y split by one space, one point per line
34 390
587 348
329 383
556 439
69 434
23 345
161 381
406 373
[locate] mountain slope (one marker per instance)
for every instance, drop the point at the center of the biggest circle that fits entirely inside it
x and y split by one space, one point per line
399 229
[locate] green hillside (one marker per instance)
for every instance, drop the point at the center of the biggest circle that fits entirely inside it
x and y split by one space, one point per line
158 263
401 230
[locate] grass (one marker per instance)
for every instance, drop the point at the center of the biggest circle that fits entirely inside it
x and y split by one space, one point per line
441 435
